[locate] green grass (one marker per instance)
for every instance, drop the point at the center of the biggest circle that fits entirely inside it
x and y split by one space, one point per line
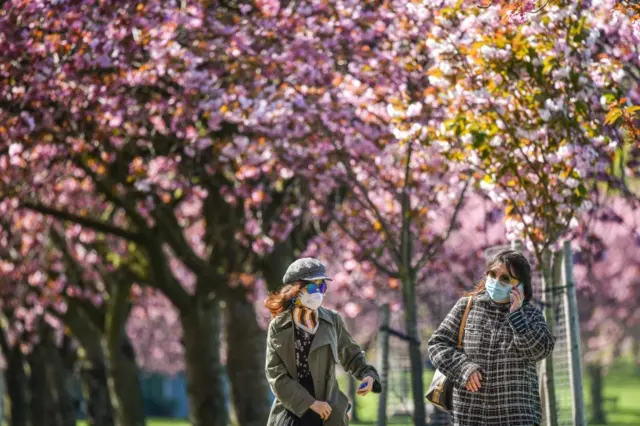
154 422
623 382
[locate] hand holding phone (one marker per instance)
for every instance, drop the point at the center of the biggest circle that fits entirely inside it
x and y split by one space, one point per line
366 386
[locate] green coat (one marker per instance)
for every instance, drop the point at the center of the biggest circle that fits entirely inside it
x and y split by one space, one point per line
331 345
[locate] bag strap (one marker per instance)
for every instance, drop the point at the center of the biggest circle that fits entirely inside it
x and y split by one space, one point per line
463 323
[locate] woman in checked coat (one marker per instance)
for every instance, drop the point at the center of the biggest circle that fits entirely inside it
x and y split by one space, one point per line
505 336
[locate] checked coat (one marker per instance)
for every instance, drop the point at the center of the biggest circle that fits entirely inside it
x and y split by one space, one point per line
505 347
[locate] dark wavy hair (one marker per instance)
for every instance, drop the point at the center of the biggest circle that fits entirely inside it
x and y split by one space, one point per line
518 267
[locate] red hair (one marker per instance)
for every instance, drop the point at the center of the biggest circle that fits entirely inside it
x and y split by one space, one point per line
278 301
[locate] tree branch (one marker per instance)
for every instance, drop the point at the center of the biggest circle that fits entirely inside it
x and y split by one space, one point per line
371 205
367 254
84 221
437 245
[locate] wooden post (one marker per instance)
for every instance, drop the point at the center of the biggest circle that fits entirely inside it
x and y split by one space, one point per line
383 363
573 331
549 308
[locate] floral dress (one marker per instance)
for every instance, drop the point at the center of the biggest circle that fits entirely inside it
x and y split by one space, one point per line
303 341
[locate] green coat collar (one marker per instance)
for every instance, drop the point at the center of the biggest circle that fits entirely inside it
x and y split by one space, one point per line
283 329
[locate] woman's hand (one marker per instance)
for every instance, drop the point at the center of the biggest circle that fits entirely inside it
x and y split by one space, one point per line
517 297
322 408
366 386
473 384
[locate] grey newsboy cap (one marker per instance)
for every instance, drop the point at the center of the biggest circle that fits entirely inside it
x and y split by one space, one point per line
305 269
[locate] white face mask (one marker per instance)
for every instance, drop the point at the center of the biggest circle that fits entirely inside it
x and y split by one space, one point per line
311 301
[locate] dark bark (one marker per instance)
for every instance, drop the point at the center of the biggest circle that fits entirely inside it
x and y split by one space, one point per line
597 400
17 385
202 328
96 393
124 386
246 347
93 370
61 410
38 400
415 357
51 402
276 263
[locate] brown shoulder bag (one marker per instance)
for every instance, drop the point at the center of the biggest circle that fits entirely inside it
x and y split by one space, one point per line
440 391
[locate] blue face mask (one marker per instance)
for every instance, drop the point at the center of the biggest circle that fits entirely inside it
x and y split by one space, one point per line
497 291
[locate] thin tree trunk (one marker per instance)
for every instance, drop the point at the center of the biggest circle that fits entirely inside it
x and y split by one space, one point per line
124 386
246 346
16 379
353 386
60 408
201 333
548 298
93 370
38 401
636 352
415 357
96 392
597 403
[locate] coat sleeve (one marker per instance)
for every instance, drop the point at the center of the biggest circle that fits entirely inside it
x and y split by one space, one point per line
531 336
352 357
291 394
443 348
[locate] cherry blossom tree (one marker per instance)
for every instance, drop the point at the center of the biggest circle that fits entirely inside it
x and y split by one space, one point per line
515 96
59 294
177 126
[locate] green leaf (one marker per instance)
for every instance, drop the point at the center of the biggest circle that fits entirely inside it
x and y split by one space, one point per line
114 259
581 190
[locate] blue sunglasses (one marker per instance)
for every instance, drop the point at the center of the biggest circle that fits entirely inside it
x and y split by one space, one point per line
316 286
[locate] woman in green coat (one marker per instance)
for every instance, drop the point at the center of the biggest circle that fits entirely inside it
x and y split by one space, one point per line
304 344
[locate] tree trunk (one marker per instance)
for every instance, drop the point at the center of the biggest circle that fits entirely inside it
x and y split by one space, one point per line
597 402
636 352
353 386
16 379
93 369
415 358
60 407
548 298
205 387
246 347
96 393
38 401
124 385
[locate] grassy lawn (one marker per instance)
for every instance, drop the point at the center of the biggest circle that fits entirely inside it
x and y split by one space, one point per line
154 422
622 382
